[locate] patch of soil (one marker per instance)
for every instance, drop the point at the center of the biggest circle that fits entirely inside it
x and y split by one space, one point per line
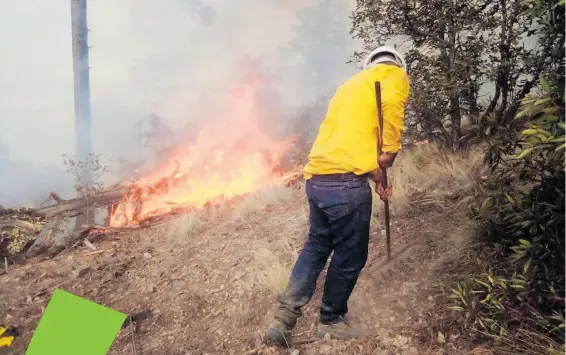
206 296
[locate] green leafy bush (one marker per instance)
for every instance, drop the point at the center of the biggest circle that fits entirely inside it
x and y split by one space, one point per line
520 211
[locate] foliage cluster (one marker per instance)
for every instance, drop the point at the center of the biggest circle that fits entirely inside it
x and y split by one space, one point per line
520 213
469 61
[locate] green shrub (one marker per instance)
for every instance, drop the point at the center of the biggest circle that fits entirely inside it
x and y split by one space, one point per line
520 212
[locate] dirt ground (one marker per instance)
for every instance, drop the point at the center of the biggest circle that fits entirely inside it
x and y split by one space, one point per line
210 282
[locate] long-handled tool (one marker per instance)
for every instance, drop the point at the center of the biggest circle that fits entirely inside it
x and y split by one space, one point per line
383 170
385 269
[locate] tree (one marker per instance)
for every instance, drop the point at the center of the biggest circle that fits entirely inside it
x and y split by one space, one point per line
519 209
517 297
457 48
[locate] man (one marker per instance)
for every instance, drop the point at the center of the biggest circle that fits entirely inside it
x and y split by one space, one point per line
343 157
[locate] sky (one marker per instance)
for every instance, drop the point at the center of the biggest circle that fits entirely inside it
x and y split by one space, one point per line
175 58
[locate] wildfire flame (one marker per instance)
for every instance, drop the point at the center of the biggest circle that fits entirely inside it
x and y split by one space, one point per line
229 158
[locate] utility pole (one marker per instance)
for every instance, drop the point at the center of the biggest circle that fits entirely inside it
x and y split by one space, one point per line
83 137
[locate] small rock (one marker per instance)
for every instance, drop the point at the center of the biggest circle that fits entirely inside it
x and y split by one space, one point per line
325 350
257 342
400 341
239 274
28 299
147 255
151 288
295 352
80 272
440 338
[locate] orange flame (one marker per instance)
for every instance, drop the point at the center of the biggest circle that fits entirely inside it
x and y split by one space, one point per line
228 158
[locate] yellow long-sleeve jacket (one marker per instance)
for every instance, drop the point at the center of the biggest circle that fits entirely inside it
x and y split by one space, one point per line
347 140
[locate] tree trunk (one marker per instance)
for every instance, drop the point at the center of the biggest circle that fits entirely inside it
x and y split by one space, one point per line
456 120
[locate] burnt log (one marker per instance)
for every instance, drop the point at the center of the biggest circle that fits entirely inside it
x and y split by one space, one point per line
73 207
40 228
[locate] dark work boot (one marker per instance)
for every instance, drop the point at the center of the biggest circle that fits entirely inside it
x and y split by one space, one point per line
279 331
340 330
278 334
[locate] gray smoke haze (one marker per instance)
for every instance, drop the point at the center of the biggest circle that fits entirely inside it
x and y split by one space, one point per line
174 58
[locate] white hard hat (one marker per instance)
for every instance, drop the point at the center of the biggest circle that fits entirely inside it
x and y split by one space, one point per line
384 54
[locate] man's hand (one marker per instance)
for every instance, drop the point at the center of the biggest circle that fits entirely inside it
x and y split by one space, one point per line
377 177
384 193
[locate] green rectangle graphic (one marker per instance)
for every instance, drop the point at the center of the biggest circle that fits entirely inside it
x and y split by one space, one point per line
72 325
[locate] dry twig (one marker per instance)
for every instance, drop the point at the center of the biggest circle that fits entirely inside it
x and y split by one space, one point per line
133 330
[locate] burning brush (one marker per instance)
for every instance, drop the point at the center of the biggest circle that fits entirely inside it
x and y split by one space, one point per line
228 158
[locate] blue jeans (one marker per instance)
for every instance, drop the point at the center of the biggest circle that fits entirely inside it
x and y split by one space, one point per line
340 213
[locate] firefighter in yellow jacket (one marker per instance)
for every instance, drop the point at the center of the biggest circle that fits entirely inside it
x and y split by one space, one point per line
342 160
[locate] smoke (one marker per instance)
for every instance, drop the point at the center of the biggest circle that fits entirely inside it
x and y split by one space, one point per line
176 59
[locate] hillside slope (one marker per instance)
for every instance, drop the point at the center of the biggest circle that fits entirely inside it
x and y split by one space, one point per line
211 277
210 286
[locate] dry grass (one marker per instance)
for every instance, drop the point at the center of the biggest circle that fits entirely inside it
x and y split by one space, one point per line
273 270
258 200
217 213
428 176
241 313
181 228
